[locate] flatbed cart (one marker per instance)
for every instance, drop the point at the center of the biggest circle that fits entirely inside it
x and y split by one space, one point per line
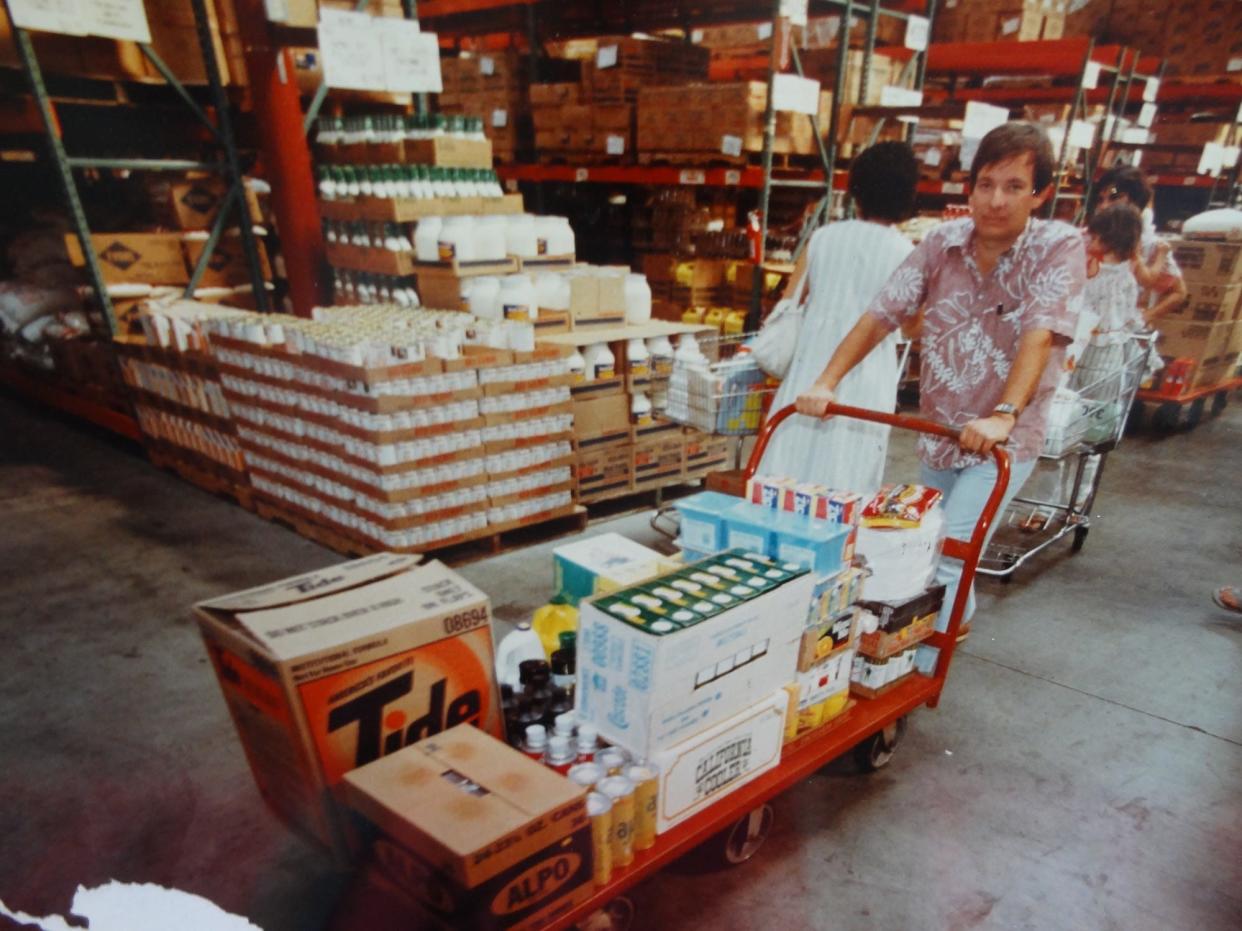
872 728
1079 445
1167 413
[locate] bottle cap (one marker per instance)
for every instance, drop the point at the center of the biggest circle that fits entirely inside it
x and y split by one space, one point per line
565 724
536 735
558 747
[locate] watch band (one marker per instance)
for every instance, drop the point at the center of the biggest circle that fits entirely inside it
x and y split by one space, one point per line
1010 409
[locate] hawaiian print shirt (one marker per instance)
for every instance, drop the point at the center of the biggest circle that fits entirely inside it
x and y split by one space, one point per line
972 325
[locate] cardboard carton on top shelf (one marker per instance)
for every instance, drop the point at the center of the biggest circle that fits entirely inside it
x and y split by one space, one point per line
135 258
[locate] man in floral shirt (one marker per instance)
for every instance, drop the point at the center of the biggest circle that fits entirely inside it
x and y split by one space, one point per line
1001 292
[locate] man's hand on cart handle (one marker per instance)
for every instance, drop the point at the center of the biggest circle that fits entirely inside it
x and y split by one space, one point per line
983 433
815 400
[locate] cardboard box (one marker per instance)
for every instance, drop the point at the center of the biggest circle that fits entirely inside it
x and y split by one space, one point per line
705 453
601 564
1206 303
227 264
602 422
704 768
331 670
196 201
657 462
649 678
134 258
603 473
477 833
1198 341
1208 262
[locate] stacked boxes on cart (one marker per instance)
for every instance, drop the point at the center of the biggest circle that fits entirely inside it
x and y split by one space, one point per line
405 429
1201 340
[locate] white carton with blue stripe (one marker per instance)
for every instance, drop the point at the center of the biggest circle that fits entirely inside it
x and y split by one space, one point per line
661 662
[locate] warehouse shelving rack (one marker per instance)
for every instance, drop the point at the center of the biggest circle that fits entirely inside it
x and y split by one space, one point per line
220 129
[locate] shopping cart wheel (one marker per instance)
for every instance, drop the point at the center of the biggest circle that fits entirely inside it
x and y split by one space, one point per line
876 751
1080 537
617 915
1220 400
738 843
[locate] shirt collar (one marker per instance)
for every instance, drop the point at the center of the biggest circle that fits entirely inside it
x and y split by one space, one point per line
960 239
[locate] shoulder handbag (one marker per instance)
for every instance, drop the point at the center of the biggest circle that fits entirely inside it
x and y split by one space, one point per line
776 343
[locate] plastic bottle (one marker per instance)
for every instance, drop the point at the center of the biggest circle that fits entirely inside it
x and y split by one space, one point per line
565 724
661 351
520 239
483 298
327 184
535 745
577 367
554 236
588 742
564 661
688 351
693 315
640 410
600 362
714 317
427 239
490 239
517 299
734 322
552 292
561 754
637 359
518 646
550 621
456 239
637 299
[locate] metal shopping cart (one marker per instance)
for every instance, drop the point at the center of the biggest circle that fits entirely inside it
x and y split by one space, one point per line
1085 425
725 393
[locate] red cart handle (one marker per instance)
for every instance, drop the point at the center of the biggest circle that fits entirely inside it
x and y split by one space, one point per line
968 551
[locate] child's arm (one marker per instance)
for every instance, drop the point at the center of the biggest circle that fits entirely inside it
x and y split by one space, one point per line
1148 274
1168 300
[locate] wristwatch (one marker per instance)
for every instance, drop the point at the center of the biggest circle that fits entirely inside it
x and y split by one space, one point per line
1006 408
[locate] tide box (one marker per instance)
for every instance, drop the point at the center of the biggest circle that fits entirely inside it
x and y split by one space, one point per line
702 769
603 563
656 667
331 670
476 833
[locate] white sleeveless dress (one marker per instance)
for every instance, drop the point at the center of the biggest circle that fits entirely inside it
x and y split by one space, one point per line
848 263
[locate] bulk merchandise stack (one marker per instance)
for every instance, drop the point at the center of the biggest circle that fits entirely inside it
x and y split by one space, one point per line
1201 339
396 428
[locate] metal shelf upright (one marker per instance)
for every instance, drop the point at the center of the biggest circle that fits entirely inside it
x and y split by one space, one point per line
221 129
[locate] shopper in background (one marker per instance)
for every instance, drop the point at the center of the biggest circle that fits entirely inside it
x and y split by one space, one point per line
1001 291
1160 280
848 262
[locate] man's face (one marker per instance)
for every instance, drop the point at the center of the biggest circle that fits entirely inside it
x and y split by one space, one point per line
1004 197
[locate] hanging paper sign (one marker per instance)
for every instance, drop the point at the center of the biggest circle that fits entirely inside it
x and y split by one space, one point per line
982 118
918 28
1091 76
1147 115
352 51
411 56
794 94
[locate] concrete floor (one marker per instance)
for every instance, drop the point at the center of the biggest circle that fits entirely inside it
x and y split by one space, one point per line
1083 770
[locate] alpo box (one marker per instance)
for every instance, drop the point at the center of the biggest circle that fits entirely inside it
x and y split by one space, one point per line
647 689
330 670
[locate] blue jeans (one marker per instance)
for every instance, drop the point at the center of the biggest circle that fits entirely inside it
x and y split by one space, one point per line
965 493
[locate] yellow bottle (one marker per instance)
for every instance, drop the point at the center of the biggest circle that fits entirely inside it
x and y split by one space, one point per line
692 315
549 622
714 317
734 322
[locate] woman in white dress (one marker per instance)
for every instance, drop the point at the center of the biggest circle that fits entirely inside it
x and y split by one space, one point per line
848 262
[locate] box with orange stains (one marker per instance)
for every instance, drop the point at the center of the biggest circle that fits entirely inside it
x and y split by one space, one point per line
331 670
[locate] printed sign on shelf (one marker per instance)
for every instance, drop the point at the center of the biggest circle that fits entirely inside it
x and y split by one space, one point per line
352 51
982 118
794 94
125 20
917 30
731 145
411 56
794 11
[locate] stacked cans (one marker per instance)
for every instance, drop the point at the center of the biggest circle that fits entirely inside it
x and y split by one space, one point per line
622 806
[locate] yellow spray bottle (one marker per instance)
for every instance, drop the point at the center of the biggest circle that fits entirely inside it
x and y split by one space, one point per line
550 620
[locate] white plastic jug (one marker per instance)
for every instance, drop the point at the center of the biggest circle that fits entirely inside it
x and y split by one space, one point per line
427 239
661 351
517 299
518 645
577 367
552 291
600 362
482 297
554 236
637 299
688 351
637 359
457 239
640 410
491 239
520 236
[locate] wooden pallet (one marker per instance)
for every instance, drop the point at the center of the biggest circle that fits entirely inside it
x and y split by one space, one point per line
217 480
571 519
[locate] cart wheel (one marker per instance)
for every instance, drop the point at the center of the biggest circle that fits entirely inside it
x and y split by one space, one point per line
1134 422
1195 412
739 843
1219 401
1165 417
875 752
617 915
1080 537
